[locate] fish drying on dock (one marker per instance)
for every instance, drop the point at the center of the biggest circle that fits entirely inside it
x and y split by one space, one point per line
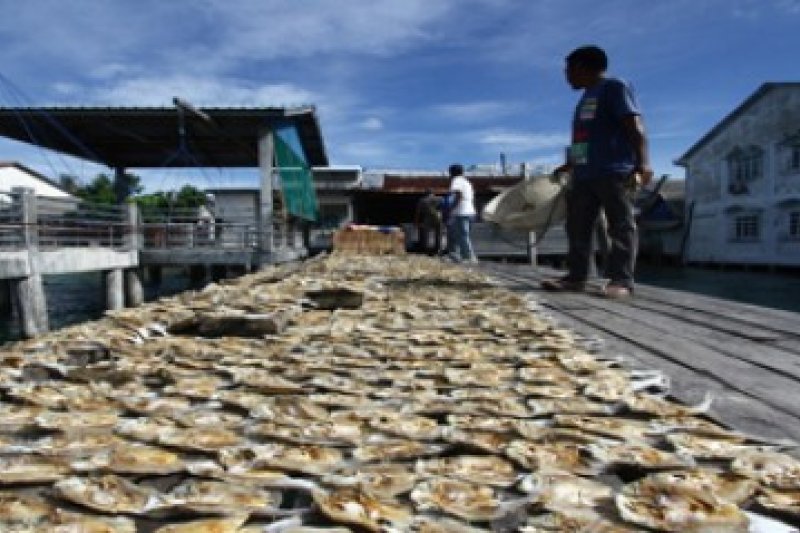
352 393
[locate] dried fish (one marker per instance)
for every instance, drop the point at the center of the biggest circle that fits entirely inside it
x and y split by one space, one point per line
782 501
109 494
564 456
563 492
467 501
30 469
383 480
488 469
208 525
679 507
772 469
217 497
353 506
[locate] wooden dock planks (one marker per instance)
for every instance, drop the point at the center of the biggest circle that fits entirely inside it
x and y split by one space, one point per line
748 357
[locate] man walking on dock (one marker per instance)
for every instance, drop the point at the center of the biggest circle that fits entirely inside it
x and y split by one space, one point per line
608 158
461 217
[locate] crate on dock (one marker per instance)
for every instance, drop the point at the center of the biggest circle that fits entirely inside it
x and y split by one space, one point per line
369 240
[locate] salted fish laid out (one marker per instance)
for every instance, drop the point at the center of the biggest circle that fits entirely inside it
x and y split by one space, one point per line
484 441
383 480
468 501
482 423
109 494
27 513
724 485
560 456
19 511
560 491
771 469
76 444
638 455
356 507
17 417
577 519
308 459
383 448
289 410
30 468
76 421
488 469
439 524
201 439
207 525
406 425
678 507
711 447
657 406
608 426
61 521
786 502
218 497
127 458
314 432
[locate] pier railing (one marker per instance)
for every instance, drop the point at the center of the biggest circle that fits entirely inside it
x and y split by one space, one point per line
47 222
28 221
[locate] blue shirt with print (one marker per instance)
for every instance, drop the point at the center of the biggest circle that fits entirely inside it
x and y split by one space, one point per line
600 145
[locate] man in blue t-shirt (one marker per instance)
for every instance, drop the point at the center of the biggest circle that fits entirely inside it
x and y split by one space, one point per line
608 158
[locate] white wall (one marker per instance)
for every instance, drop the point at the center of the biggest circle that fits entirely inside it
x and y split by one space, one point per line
766 124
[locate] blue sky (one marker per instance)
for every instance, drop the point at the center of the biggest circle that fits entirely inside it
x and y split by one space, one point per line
398 83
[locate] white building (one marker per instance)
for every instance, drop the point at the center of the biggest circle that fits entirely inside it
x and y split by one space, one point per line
743 183
52 198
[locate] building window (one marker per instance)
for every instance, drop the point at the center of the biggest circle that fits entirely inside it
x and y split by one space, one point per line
794 225
745 228
789 153
794 159
744 167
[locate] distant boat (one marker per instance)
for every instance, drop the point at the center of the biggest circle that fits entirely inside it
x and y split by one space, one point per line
533 204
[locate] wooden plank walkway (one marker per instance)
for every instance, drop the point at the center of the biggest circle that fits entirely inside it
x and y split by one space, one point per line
746 356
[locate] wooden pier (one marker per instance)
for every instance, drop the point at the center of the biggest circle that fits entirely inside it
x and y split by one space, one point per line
746 356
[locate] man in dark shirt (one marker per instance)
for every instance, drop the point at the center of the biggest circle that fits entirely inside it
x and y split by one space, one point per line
608 158
428 220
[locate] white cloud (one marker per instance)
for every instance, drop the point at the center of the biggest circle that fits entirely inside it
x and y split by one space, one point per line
516 141
477 111
158 91
372 124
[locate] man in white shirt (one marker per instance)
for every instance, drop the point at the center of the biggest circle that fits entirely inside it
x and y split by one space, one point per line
461 216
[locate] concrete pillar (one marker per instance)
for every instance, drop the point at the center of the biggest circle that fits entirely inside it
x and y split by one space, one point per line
115 293
31 304
133 235
266 156
28 293
134 293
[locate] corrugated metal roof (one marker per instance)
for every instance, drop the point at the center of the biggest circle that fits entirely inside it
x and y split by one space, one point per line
147 137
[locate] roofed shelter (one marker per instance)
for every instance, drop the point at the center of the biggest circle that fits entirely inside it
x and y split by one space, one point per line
181 136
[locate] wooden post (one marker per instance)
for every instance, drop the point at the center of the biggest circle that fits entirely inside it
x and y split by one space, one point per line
266 156
532 251
29 294
115 295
